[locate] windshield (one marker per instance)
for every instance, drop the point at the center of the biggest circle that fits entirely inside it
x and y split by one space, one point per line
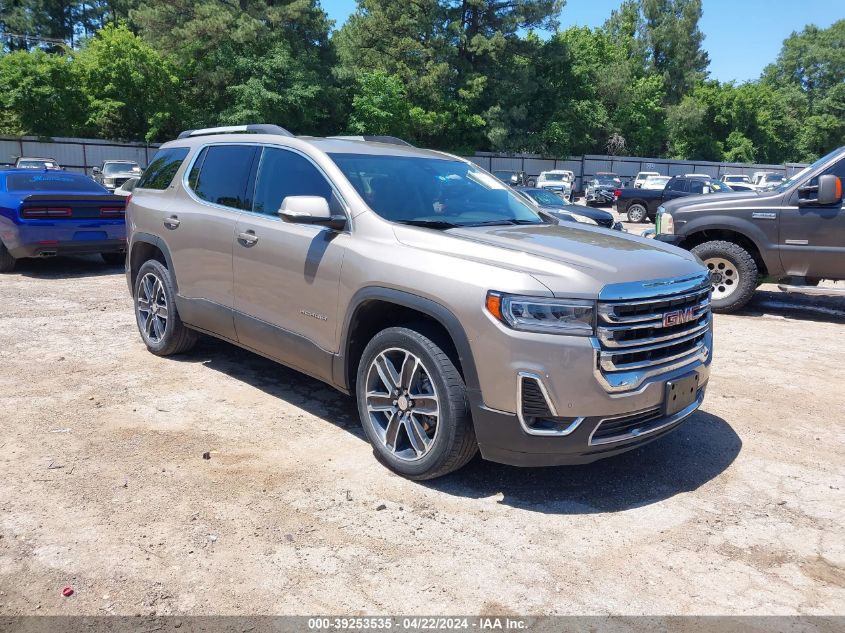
52 182
545 198
37 164
554 177
718 187
434 192
607 181
786 184
117 168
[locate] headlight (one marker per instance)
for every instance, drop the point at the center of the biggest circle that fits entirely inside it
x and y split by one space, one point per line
108 181
543 314
664 224
583 218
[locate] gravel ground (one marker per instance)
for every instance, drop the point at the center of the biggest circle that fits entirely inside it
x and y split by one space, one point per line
104 485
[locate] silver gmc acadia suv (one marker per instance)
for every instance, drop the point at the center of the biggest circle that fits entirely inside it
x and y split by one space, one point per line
460 318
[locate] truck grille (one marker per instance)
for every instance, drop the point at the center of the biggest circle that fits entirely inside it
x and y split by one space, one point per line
640 335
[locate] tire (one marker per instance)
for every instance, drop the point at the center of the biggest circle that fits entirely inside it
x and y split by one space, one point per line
434 383
735 274
163 333
114 259
7 262
637 213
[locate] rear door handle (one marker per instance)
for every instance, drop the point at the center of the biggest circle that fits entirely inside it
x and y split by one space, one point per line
172 222
247 238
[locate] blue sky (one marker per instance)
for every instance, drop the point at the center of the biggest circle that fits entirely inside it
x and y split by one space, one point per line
742 36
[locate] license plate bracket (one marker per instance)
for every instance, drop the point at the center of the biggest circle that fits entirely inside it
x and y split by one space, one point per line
680 393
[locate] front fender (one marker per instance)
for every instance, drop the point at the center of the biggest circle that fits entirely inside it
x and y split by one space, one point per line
765 244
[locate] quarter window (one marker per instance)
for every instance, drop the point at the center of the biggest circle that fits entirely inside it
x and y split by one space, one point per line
283 173
222 174
164 166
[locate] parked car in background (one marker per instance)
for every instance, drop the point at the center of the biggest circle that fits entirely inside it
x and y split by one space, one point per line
25 162
512 178
553 204
736 179
126 188
698 176
764 179
46 213
113 173
458 317
656 182
642 176
793 233
558 181
600 190
641 205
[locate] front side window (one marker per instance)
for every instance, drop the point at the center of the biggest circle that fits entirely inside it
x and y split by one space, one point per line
163 168
283 173
440 193
222 174
677 185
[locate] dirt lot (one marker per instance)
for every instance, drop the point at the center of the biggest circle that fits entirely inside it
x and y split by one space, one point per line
104 486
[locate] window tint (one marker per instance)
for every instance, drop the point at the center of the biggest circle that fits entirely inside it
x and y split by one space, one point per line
222 175
165 164
283 173
53 181
677 185
696 186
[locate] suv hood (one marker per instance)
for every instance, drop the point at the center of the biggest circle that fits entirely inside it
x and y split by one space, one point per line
569 260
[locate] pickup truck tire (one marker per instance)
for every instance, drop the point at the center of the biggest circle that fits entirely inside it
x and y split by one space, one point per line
114 259
413 405
734 274
637 213
7 262
155 312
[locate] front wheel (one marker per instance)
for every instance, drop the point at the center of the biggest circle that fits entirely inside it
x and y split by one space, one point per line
733 274
637 213
413 405
155 312
7 262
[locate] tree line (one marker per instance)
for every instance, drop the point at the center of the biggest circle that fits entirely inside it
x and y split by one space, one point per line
459 75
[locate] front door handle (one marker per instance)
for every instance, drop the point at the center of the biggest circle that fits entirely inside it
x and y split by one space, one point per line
247 238
172 222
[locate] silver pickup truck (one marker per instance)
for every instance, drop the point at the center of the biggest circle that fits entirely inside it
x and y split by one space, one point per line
459 317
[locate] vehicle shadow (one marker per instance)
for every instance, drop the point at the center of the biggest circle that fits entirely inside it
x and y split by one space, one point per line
697 452
66 267
828 309
702 448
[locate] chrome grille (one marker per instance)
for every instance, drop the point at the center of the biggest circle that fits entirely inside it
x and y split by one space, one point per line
647 335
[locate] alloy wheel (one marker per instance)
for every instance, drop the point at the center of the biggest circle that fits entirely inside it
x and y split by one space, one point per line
402 404
724 277
152 308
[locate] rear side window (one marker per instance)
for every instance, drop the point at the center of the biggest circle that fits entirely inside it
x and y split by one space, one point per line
284 173
223 174
52 181
677 185
165 164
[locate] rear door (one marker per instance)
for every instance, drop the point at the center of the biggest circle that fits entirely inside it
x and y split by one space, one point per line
287 275
812 238
199 231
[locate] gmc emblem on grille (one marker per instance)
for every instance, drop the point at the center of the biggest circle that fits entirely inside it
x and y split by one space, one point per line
678 317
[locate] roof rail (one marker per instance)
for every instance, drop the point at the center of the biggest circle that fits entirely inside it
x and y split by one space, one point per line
254 128
391 140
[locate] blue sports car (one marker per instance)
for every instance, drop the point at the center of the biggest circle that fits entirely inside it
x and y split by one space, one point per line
45 213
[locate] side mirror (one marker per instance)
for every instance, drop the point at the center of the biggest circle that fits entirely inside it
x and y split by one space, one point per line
310 210
826 193
96 171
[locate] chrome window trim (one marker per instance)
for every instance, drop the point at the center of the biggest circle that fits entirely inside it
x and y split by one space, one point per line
542 432
192 194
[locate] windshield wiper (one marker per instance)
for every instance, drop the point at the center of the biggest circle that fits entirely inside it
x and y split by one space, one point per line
430 224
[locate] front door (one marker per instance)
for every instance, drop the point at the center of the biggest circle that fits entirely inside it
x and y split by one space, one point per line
286 275
812 238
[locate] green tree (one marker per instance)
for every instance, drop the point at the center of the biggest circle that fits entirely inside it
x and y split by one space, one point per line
130 90
39 94
380 106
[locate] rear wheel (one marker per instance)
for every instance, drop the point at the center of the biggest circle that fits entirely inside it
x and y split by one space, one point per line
637 213
413 406
7 262
155 312
733 274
